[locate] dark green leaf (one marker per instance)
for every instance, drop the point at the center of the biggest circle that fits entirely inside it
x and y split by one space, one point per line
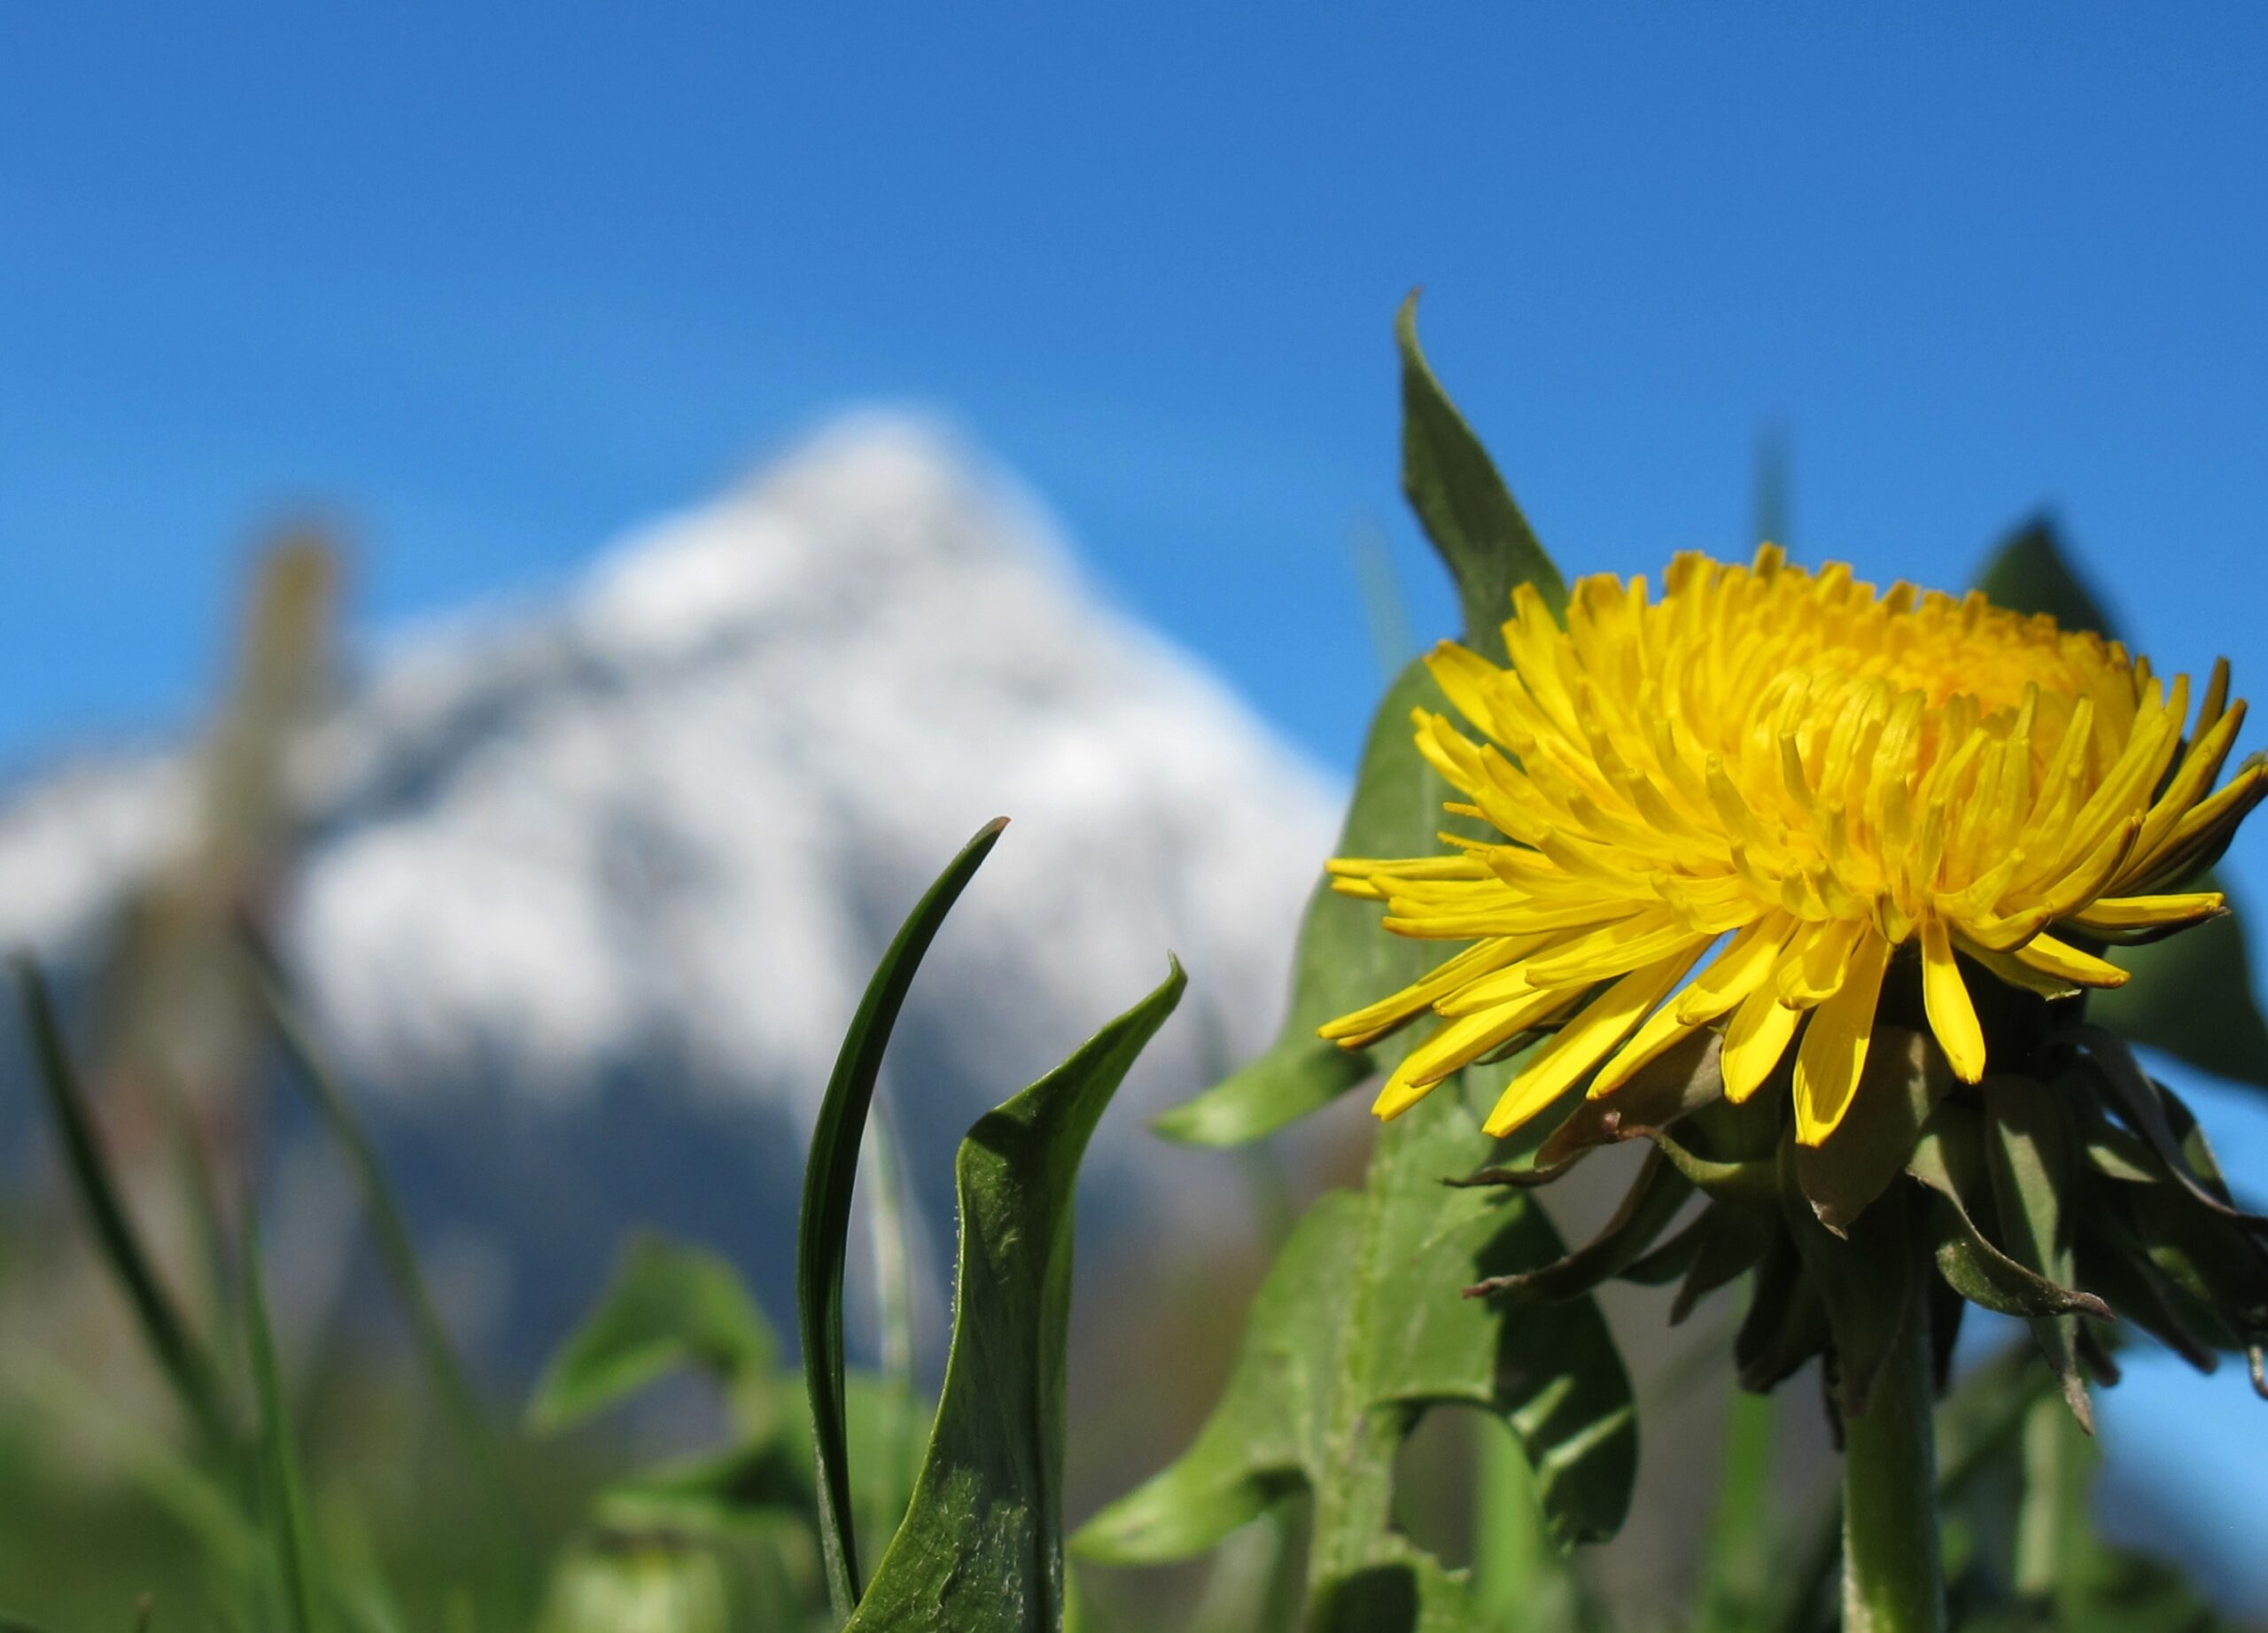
1344 960
178 1353
284 1502
667 1306
981 1550
1357 1329
2032 571
1466 510
829 1176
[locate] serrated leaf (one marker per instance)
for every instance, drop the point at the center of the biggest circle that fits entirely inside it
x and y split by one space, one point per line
980 1548
1466 510
667 1306
823 1229
1357 1330
1344 960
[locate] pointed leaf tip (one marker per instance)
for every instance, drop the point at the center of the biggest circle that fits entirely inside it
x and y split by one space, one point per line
823 1233
1462 501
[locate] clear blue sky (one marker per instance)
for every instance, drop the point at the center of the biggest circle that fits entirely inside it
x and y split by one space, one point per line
495 283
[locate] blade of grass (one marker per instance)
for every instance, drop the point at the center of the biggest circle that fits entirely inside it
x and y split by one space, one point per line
436 1350
172 1484
824 1225
285 1510
178 1354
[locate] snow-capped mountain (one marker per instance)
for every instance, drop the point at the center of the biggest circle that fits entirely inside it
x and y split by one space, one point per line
589 889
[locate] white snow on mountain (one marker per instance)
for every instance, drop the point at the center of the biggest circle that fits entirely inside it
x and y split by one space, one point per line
590 889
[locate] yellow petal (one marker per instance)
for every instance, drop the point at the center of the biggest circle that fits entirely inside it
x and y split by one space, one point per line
1826 957
2068 963
1834 1051
1587 1039
2119 913
1944 997
1755 1041
1734 973
1462 1042
1366 1025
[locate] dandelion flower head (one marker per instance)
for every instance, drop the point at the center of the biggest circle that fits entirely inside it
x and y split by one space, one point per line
1736 804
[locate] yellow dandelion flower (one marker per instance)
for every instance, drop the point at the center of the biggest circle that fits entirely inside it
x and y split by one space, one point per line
1734 805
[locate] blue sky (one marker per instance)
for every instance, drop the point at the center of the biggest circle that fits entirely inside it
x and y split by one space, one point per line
493 283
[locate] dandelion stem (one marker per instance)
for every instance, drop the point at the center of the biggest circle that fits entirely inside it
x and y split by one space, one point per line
1892 1579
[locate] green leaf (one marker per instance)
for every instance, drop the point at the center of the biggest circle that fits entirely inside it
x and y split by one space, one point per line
667 1306
284 1501
1344 960
2030 570
1359 1330
824 1230
714 1494
1467 511
980 1549
179 1355
2191 994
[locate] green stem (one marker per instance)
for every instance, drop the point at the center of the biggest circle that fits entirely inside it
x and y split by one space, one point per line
1892 1579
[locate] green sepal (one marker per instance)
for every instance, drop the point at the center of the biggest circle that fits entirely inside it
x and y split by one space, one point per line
1733 1239
1949 1159
2033 1155
2192 995
1786 1323
1652 1201
1905 1075
1865 1278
